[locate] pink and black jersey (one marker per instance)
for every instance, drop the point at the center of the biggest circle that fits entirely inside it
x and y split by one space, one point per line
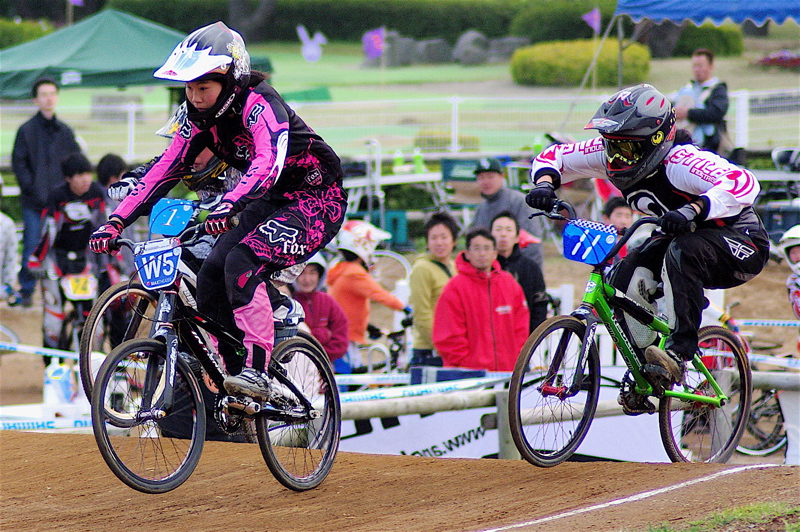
262 137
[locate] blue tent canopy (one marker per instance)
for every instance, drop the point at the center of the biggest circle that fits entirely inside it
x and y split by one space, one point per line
759 11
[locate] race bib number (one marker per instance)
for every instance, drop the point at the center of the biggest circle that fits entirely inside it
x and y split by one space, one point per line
81 287
157 262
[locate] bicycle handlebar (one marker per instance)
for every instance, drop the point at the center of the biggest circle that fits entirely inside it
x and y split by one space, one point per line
559 205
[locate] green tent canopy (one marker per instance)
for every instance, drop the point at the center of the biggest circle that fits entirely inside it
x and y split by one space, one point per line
109 49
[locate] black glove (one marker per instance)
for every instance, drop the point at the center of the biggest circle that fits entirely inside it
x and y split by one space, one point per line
542 196
679 221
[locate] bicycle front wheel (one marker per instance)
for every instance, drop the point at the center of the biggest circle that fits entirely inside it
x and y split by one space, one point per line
299 442
699 432
123 312
554 392
150 447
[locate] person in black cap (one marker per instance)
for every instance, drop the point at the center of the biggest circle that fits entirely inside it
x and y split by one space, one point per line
499 198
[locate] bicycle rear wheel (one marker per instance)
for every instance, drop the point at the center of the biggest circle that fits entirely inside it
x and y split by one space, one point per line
300 443
554 392
698 432
764 433
123 312
150 451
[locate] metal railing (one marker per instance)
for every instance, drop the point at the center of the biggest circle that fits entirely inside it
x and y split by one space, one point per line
758 120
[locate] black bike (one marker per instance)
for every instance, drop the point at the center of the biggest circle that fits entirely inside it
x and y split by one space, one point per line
148 406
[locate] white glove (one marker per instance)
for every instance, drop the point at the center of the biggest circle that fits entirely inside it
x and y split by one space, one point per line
122 188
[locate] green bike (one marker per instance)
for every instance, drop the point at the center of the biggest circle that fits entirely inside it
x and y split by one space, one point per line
554 390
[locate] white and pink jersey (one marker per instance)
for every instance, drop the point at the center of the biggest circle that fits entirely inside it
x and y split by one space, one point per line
686 173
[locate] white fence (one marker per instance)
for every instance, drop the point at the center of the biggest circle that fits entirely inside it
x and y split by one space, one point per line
759 120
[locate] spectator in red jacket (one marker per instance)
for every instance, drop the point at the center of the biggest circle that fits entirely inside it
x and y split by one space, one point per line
324 316
481 318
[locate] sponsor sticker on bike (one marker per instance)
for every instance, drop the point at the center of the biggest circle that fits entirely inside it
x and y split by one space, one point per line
157 262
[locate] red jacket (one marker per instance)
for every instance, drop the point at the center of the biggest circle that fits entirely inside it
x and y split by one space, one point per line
326 319
481 319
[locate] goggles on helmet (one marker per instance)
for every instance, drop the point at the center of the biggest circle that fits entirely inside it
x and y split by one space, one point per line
622 152
210 176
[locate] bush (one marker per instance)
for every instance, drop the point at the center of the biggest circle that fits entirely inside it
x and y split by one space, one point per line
564 63
436 140
184 16
13 33
551 20
342 19
725 40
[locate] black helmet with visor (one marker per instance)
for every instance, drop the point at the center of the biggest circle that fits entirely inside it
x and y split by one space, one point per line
638 129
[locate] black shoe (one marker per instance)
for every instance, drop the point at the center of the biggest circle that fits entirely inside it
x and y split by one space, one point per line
26 300
668 360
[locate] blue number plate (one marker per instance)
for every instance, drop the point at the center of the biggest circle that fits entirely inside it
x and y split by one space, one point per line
588 242
170 216
157 262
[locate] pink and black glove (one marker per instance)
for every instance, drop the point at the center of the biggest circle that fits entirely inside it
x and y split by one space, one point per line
107 232
219 221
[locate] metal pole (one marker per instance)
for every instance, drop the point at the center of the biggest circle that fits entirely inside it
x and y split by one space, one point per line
454 101
131 132
507 450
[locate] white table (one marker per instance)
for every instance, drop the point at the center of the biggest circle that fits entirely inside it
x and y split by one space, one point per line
358 187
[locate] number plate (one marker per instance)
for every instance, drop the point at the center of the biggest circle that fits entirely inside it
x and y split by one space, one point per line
170 216
157 262
79 287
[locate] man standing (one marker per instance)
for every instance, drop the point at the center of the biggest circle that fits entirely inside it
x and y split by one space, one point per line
701 105
481 319
499 198
527 273
41 144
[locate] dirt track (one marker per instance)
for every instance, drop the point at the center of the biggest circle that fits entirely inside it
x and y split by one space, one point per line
60 482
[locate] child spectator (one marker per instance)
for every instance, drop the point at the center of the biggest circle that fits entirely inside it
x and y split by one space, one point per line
789 245
429 273
75 208
324 316
351 285
618 213
110 170
9 257
481 320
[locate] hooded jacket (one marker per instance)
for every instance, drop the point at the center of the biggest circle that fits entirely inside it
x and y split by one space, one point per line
481 319
353 288
327 321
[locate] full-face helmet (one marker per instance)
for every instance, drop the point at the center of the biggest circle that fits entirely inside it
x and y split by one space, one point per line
361 238
790 239
638 129
214 52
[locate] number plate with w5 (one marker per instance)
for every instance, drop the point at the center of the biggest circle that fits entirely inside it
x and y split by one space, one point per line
157 262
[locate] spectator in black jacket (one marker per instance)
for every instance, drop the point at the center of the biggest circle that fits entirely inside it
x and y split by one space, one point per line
525 270
41 144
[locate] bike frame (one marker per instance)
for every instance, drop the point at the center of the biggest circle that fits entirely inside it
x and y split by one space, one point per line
599 300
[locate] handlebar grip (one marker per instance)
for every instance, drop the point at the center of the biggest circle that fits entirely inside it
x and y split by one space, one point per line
692 227
234 221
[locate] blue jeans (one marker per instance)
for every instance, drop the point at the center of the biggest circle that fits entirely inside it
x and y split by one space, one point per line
31 234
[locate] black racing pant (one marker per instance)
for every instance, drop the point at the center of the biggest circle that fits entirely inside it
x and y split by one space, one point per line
273 233
711 257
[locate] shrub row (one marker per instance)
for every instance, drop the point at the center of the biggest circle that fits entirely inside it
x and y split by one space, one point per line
551 20
724 40
13 33
342 19
564 63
